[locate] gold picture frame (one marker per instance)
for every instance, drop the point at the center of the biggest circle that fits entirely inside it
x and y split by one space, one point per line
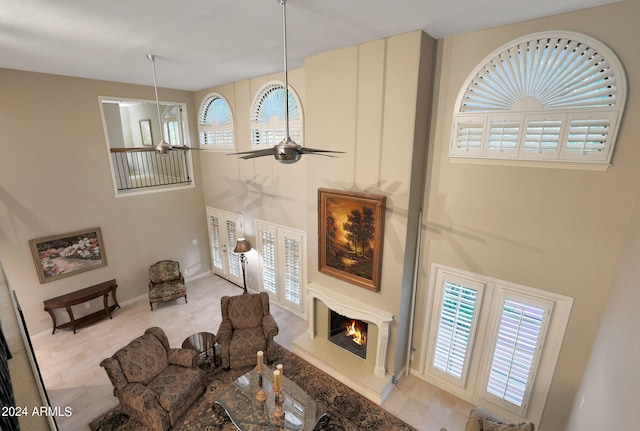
350 236
60 256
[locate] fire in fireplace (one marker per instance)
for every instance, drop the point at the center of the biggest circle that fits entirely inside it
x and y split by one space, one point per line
350 334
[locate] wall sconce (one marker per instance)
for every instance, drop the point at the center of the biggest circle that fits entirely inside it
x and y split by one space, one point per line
243 246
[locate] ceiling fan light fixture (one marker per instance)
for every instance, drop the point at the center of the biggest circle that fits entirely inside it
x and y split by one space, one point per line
162 147
286 151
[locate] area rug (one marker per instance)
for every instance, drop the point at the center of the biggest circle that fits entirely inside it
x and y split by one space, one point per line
346 409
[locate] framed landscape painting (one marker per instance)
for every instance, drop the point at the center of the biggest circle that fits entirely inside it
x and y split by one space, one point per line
350 236
63 255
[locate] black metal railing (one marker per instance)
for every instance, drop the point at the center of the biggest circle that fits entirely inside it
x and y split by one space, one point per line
137 168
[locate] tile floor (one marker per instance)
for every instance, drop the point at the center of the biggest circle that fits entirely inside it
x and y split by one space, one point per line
70 362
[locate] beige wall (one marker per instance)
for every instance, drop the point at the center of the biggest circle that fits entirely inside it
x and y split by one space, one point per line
55 178
554 229
361 100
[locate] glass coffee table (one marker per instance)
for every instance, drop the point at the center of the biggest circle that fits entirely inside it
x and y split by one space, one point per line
301 412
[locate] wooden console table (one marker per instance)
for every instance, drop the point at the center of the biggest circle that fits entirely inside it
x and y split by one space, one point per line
79 297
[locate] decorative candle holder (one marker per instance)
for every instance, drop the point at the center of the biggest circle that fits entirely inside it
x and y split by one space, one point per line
261 395
279 367
277 410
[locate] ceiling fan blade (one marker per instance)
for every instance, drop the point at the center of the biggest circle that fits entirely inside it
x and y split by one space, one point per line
254 153
307 150
320 154
257 154
266 152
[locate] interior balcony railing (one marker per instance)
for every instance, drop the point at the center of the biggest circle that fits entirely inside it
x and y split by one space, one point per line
139 168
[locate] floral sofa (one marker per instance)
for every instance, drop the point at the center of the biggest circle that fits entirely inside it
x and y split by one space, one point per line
155 384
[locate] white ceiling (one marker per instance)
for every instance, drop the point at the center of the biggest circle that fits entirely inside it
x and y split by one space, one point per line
202 43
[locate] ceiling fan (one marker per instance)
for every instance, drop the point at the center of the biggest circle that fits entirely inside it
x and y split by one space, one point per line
162 147
286 151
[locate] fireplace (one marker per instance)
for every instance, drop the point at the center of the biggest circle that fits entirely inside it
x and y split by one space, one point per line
349 334
365 374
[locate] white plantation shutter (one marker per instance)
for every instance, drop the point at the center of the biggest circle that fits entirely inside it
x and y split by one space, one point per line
516 346
282 270
542 137
268 251
456 318
459 301
587 135
468 135
216 244
224 228
572 80
234 259
503 137
215 122
267 121
292 263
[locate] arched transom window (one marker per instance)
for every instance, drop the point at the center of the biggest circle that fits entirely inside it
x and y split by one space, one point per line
548 96
268 116
215 123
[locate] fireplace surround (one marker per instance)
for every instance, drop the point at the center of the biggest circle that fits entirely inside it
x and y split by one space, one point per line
366 376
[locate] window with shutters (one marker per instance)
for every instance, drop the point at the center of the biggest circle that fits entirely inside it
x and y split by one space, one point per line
268 117
493 343
173 127
281 264
455 326
517 341
224 229
545 97
215 123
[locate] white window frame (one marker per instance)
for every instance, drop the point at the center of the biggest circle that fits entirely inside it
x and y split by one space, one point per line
267 132
442 279
224 229
280 293
473 387
215 136
515 83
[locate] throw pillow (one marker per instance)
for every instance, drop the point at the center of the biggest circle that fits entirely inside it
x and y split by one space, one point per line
489 425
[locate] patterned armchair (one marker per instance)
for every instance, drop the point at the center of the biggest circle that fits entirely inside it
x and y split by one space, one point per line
154 383
166 282
246 328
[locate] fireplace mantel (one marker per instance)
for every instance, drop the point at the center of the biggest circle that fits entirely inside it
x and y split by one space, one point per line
365 377
349 306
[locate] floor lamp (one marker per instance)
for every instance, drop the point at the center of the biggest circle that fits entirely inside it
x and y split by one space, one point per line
243 246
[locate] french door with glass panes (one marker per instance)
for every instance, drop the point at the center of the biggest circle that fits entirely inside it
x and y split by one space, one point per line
224 230
281 263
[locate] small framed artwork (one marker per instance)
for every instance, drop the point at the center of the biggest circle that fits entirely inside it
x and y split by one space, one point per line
145 132
63 255
350 236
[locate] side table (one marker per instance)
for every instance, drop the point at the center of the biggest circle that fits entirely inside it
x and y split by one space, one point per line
202 342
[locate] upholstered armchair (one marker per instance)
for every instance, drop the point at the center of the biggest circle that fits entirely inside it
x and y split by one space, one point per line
166 282
246 328
154 383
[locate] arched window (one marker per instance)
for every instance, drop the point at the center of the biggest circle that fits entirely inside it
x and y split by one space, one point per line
547 96
268 116
215 123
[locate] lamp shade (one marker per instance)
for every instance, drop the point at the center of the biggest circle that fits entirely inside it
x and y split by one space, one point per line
242 246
